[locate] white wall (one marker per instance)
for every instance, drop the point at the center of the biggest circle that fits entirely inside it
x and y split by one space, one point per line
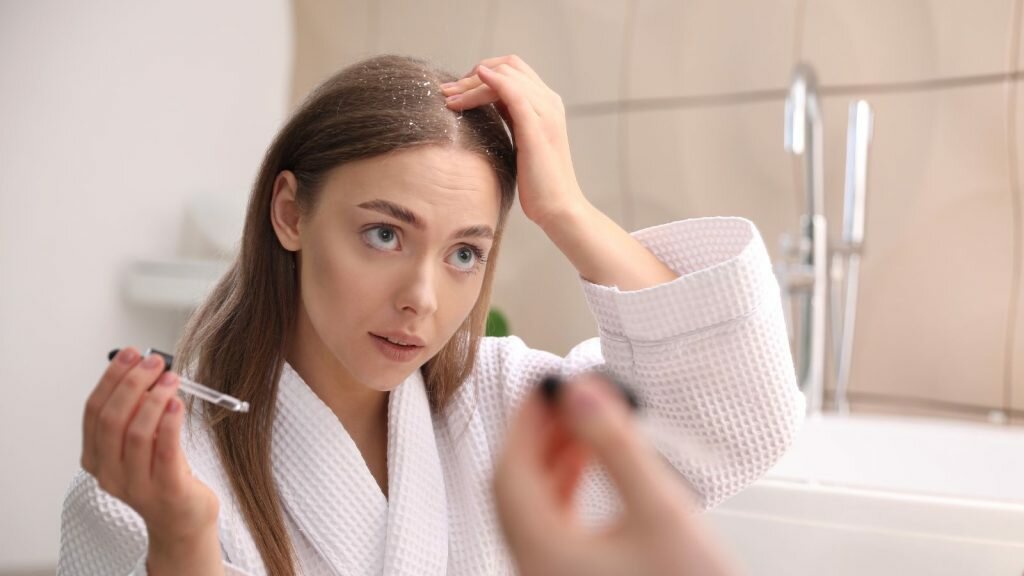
114 114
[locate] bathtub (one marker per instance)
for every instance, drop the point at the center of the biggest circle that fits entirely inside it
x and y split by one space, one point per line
883 495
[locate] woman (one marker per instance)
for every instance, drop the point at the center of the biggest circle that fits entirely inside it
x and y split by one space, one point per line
352 323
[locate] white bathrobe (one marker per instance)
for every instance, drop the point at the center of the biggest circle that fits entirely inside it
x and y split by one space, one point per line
707 353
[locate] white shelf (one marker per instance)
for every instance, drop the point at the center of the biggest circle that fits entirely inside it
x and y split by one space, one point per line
180 284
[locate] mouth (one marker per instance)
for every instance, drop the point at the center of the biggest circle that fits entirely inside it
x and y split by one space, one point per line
403 341
395 349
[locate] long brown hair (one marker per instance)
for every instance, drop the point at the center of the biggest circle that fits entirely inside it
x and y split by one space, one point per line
236 341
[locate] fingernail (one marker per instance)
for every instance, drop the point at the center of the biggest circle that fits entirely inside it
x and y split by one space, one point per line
582 401
550 388
167 379
454 97
126 356
151 361
632 400
174 405
448 85
627 394
168 359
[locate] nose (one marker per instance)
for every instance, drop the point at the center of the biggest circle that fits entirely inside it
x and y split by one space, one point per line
417 292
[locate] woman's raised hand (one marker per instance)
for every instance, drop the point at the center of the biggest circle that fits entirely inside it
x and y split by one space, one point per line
130 444
546 450
547 182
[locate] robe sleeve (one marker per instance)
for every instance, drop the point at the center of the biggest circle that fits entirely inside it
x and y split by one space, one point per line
707 354
102 535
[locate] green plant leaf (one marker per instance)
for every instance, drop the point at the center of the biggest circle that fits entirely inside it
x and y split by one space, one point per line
497 324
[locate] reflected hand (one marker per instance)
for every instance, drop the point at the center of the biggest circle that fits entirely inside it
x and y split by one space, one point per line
535 114
546 450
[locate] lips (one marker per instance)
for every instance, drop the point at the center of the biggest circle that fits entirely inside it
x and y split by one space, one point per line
400 338
395 352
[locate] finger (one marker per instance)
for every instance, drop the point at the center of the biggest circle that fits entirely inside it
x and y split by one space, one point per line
471 80
556 441
477 96
567 472
170 469
558 446
114 417
600 418
512 94
125 360
462 85
522 488
140 436
540 97
481 96
528 433
515 62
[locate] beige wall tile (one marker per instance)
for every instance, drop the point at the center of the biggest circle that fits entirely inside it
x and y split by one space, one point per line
596 143
452 33
880 41
888 405
574 45
688 47
330 34
536 286
538 290
711 161
1017 351
1020 45
935 276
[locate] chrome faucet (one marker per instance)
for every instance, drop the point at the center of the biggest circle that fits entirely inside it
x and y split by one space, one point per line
804 270
846 255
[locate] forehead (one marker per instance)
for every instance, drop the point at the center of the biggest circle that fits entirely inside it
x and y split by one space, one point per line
440 183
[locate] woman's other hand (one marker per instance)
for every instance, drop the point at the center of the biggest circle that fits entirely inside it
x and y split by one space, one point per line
130 444
546 450
547 182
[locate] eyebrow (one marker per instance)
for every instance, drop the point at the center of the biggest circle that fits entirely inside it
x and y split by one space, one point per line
405 215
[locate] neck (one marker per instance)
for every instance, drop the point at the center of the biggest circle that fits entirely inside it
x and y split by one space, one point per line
360 409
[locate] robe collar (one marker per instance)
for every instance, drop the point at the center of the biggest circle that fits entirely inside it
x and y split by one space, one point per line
329 494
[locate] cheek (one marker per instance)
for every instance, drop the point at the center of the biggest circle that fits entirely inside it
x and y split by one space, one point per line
456 303
336 290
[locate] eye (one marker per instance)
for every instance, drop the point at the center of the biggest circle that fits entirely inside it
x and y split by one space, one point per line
468 258
381 237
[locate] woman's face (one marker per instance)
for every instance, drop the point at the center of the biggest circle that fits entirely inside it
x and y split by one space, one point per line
395 246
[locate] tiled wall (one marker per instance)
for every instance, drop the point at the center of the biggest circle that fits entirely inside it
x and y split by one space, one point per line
676 110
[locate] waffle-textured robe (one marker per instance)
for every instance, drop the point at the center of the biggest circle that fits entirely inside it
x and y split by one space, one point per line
707 354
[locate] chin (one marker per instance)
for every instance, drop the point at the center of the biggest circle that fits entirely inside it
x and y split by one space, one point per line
385 382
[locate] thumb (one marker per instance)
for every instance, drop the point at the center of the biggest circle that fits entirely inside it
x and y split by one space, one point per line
525 502
599 417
